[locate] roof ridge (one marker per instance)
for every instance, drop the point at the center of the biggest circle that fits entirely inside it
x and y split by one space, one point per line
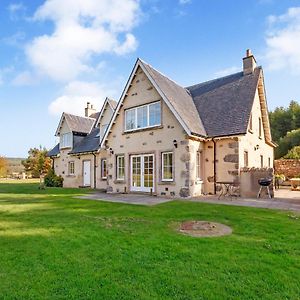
162 74
218 78
84 117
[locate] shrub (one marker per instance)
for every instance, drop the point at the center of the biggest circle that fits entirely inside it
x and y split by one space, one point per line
52 180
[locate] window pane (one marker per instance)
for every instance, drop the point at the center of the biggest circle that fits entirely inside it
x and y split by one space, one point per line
154 114
142 117
104 169
120 167
130 119
167 168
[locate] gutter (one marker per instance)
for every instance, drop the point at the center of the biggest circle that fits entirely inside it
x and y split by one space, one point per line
215 169
94 170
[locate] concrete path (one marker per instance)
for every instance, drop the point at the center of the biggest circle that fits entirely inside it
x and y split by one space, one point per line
284 200
274 203
138 199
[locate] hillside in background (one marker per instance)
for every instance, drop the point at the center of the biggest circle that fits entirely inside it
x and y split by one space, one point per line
15 165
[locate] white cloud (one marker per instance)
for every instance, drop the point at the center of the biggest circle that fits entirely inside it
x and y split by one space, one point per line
227 71
16 10
283 41
24 78
75 96
82 28
4 72
183 2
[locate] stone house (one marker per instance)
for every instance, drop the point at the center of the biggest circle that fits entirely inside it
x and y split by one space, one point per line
165 139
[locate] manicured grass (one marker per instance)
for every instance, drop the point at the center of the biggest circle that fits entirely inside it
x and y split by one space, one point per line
54 246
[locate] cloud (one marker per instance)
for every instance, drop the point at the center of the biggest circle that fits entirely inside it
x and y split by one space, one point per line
24 78
227 71
82 30
283 41
183 2
4 72
76 94
16 10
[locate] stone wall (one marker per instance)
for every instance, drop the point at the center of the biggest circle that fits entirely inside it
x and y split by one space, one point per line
249 177
290 168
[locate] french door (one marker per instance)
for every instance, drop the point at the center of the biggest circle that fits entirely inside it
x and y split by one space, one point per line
142 173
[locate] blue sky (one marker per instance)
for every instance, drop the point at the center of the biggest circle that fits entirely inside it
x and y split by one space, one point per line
56 55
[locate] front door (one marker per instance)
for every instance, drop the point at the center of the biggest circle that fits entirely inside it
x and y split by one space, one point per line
142 173
87 173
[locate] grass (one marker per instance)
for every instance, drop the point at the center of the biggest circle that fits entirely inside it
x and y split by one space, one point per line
54 246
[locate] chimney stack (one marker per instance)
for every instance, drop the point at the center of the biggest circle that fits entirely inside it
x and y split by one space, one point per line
89 110
249 63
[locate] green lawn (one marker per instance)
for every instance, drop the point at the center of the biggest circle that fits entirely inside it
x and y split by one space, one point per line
54 246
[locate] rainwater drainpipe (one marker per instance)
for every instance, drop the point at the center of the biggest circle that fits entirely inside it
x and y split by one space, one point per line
94 170
215 166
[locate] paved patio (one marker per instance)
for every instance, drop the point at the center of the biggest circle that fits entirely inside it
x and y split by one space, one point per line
284 200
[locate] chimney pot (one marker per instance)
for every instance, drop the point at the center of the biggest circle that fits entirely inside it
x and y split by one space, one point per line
249 63
89 110
248 53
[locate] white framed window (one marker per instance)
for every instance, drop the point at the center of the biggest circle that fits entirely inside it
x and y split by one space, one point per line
167 166
144 116
66 140
199 165
103 169
71 168
120 167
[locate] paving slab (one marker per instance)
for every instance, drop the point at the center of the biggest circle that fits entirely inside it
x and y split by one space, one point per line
138 199
284 200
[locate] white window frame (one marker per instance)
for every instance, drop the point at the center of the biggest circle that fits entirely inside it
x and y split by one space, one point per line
162 166
71 171
66 137
135 109
118 167
103 161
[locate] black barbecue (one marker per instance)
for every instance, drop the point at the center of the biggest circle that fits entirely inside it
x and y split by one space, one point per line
264 183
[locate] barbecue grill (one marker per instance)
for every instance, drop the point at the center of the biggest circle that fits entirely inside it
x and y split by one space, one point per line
264 183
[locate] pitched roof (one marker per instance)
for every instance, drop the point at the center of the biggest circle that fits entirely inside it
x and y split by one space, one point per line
53 152
76 123
89 143
224 104
179 98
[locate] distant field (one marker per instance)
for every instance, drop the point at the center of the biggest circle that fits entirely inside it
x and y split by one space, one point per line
4 180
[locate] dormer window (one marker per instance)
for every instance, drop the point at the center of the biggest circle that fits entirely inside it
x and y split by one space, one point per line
66 140
145 116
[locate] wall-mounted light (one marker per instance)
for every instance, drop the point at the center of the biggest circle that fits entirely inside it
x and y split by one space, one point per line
256 147
111 151
175 143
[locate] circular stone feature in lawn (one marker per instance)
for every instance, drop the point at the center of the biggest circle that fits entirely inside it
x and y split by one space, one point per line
204 229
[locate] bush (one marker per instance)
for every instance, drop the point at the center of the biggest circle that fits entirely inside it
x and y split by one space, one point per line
52 180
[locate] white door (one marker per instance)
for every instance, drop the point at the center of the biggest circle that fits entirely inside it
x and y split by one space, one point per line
87 173
142 173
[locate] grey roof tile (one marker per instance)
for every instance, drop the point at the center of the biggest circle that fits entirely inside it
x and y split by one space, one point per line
89 143
225 104
79 124
54 151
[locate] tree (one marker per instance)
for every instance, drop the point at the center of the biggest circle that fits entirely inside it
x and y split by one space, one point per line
3 166
286 143
294 153
37 163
